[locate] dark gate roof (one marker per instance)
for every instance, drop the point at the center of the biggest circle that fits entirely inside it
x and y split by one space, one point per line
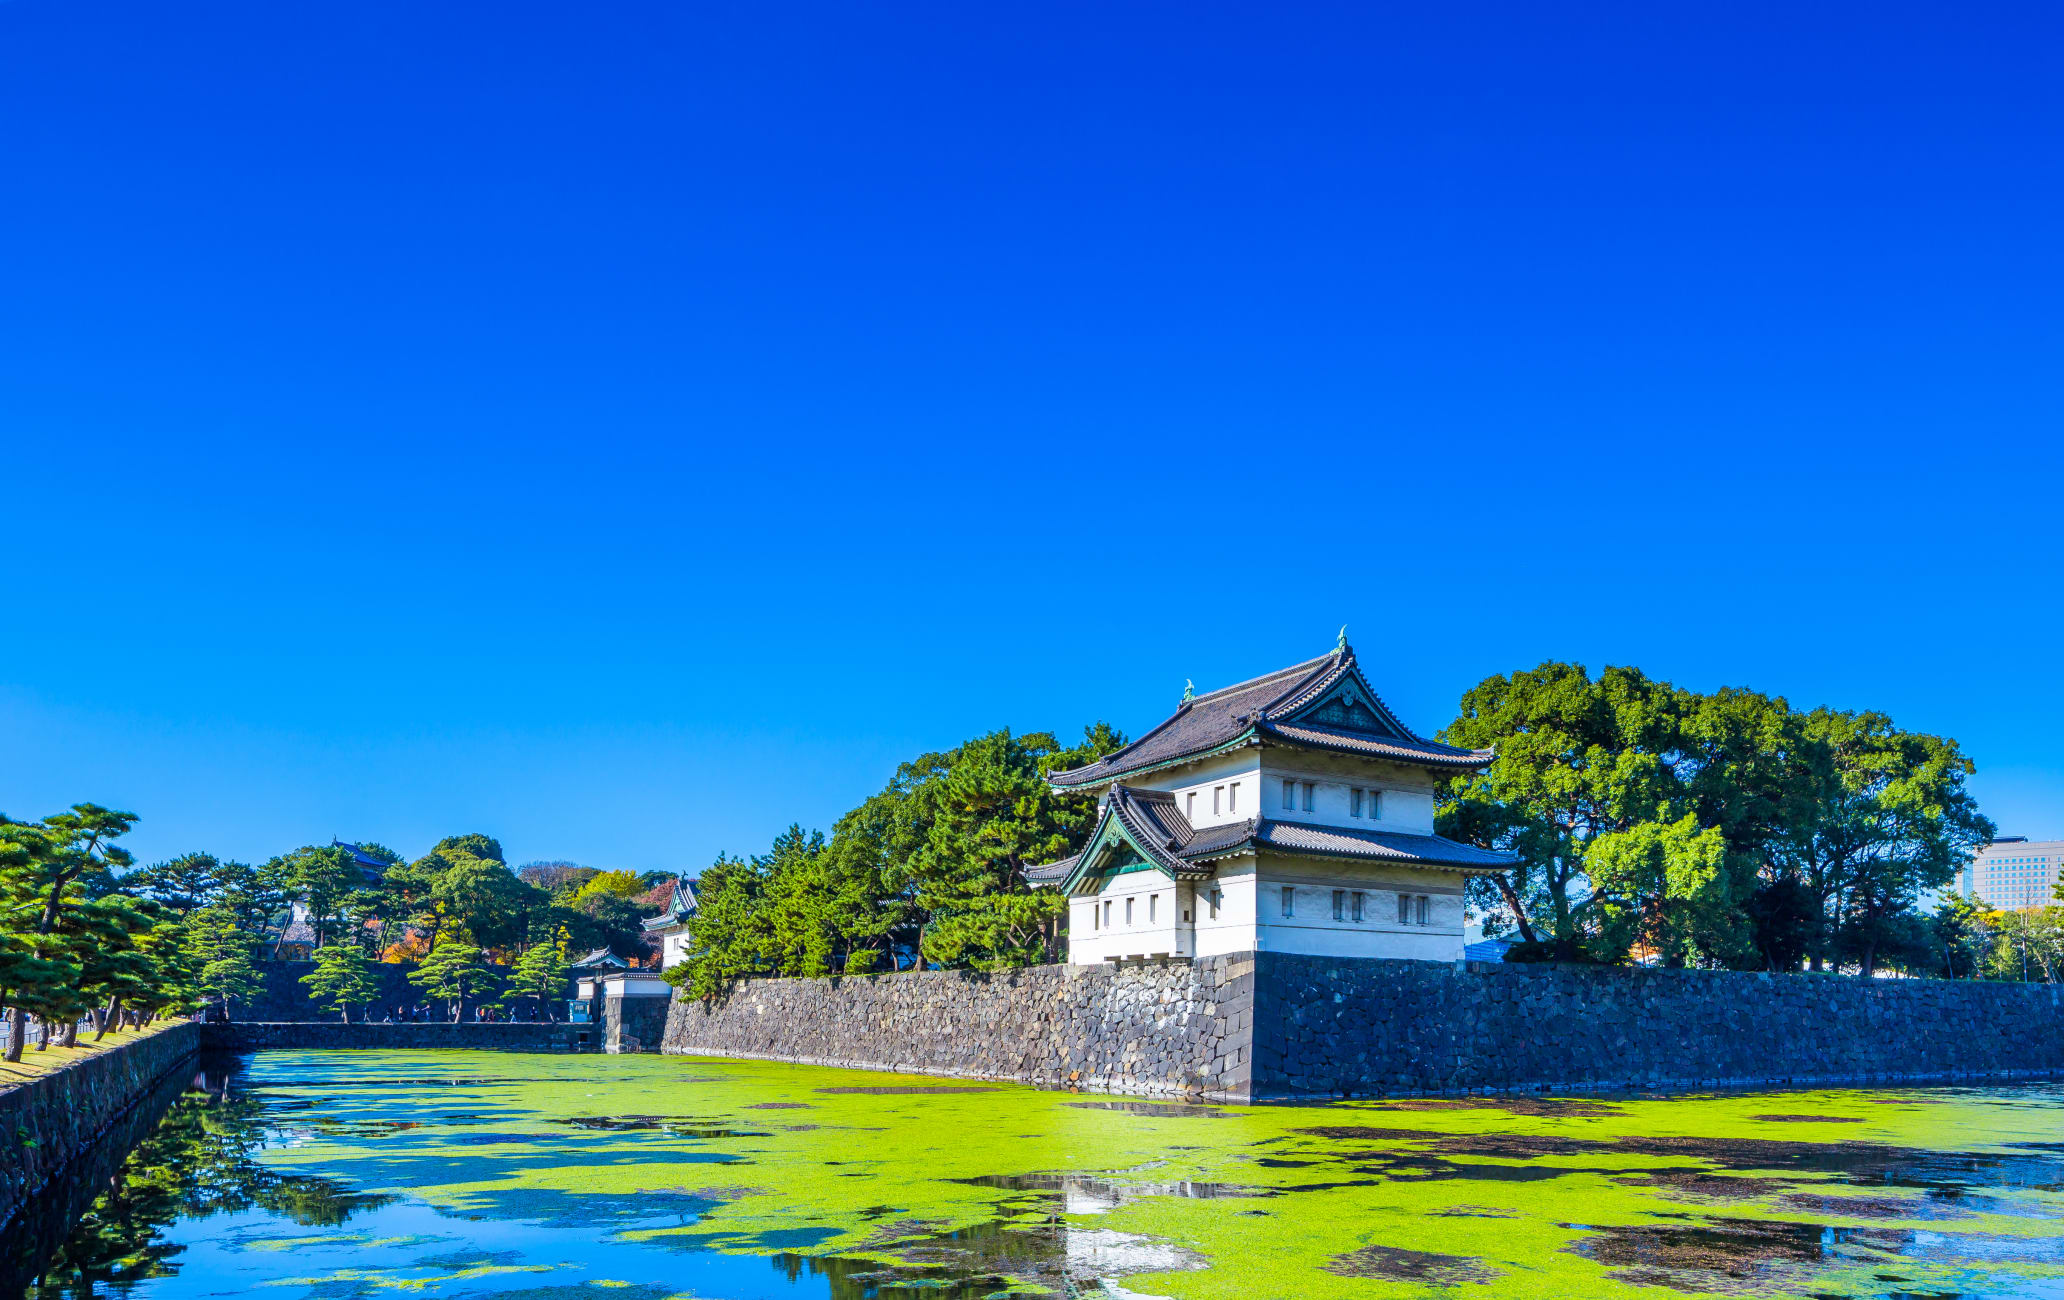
1278 708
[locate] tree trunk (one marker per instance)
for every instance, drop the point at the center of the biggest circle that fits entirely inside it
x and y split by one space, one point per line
17 1030
70 1037
110 1019
1511 897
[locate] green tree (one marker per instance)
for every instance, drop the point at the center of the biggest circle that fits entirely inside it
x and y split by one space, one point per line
990 815
255 897
731 934
184 884
451 973
1577 759
53 869
1890 818
116 967
322 876
223 954
342 978
609 884
1666 888
541 973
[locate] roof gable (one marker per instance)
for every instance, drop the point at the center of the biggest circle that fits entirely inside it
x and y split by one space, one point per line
1345 703
1322 703
1111 848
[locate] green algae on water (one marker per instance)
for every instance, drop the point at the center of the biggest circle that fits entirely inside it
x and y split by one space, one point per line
450 1173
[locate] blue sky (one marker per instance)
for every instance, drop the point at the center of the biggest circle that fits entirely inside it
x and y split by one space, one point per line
629 429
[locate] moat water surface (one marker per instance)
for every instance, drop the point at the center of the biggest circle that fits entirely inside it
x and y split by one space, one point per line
459 1174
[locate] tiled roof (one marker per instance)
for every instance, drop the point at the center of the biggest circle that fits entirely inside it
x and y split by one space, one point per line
1048 872
1259 710
375 869
599 958
1378 846
1486 950
1171 843
1428 752
679 904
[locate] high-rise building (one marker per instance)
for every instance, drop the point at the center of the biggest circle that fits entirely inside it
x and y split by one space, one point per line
2015 871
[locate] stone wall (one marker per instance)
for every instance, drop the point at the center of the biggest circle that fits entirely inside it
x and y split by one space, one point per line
49 1120
633 1024
1336 1027
1174 1029
1274 1025
44 1221
330 1035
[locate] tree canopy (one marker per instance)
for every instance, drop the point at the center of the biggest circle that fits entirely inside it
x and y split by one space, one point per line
1724 829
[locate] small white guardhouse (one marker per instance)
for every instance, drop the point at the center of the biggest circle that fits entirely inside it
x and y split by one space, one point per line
1290 813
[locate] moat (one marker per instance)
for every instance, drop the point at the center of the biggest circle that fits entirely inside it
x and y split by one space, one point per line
358 1174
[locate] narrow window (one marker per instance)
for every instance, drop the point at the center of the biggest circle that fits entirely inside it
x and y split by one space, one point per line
1214 904
1289 901
1340 905
1310 789
1375 803
1354 802
1128 911
1093 918
1404 909
1358 898
1423 901
1217 794
1107 914
1232 797
1154 908
1289 796
1190 809
1186 918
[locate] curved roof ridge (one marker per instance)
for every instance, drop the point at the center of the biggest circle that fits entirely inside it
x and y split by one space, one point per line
1264 678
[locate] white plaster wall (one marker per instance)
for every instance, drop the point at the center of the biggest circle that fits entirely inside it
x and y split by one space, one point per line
1152 893
1233 931
1194 784
1312 928
1407 804
673 949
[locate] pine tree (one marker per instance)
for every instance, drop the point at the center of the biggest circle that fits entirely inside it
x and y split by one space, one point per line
541 973
221 952
451 972
342 977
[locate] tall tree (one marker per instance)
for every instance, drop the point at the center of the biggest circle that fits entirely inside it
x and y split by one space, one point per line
1577 759
540 973
342 979
1890 818
223 954
990 815
451 973
184 884
57 867
322 877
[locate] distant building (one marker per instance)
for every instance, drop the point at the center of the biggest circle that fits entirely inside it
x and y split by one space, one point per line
375 869
670 928
2015 871
1290 813
297 935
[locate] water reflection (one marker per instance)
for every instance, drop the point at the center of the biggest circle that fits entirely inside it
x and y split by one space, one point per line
195 1158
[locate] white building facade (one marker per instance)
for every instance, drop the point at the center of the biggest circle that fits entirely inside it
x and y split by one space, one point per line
2015 872
1290 813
